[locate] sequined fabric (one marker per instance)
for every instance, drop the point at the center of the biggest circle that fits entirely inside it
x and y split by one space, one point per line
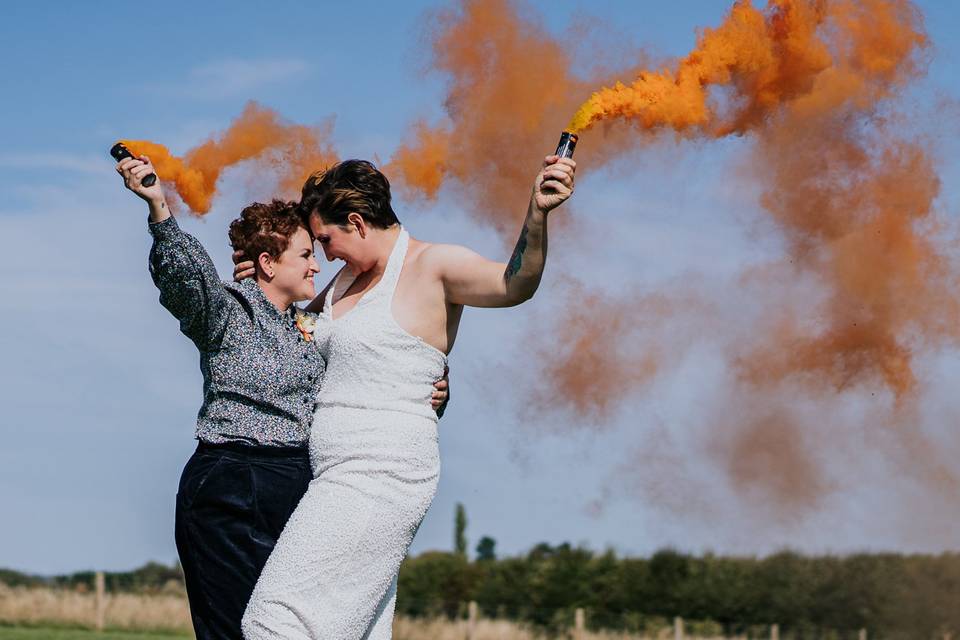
375 457
260 375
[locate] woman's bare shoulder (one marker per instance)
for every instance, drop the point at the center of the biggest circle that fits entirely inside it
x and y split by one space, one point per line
432 259
428 254
416 247
439 254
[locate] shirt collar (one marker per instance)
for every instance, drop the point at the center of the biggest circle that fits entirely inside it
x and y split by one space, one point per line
256 296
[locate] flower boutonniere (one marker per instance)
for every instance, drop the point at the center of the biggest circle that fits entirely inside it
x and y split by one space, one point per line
306 324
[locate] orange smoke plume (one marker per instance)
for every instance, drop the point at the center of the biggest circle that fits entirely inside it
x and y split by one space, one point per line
510 86
290 151
766 58
584 368
813 87
851 196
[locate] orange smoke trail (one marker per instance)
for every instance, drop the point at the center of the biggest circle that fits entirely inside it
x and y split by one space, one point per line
422 168
850 196
586 368
510 86
768 59
292 151
812 86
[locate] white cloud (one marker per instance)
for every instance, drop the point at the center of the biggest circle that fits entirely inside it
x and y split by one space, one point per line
53 160
232 78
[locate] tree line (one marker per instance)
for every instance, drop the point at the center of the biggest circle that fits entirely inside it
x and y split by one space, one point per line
152 577
891 595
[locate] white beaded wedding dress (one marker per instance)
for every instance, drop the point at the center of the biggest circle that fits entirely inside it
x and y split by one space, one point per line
375 455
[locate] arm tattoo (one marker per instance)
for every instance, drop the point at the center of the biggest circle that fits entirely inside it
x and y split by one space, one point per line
516 260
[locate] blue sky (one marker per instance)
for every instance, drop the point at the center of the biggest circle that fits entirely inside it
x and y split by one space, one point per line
99 390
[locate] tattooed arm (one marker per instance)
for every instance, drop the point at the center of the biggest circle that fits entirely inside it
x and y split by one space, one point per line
470 279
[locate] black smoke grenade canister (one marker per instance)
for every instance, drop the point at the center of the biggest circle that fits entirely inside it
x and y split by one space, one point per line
120 152
568 142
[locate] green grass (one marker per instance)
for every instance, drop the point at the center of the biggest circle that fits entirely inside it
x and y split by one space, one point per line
29 633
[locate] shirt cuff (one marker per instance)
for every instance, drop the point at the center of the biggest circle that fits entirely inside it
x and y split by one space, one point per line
166 229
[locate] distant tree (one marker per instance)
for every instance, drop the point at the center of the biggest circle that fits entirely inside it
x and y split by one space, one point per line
434 583
486 549
502 590
559 583
669 573
460 531
13 578
540 551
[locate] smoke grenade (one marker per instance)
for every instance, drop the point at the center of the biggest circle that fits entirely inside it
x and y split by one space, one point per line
568 142
120 152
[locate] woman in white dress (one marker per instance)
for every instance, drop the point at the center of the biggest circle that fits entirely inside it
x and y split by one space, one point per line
387 321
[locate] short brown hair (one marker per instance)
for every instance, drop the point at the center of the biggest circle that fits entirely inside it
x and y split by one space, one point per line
351 186
265 228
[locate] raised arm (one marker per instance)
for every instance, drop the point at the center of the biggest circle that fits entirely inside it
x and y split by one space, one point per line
179 265
471 279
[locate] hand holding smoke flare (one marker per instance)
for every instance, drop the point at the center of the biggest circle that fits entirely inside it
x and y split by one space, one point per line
568 142
554 184
120 152
138 176
258 135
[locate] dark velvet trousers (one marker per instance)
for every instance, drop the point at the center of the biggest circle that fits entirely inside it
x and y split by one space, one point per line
232 505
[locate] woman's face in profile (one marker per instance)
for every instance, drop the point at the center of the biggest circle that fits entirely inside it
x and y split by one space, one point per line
293 271
339 243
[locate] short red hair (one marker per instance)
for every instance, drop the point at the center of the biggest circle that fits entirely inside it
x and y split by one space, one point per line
265 228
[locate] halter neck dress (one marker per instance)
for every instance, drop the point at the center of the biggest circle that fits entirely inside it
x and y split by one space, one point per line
375 456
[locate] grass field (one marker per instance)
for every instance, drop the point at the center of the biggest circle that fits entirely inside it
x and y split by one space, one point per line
56 614
26 633
403 630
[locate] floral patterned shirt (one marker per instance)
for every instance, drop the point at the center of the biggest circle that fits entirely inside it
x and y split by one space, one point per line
261 368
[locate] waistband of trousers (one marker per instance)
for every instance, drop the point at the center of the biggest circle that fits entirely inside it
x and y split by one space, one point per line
292 452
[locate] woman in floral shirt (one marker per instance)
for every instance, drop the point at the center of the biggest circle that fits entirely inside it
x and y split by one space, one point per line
261 375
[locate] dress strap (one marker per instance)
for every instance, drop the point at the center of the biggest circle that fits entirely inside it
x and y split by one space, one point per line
391 275
336 290
383 289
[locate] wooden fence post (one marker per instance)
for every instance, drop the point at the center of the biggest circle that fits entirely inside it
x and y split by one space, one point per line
472 616
579 624
101 603
678 628
774 632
